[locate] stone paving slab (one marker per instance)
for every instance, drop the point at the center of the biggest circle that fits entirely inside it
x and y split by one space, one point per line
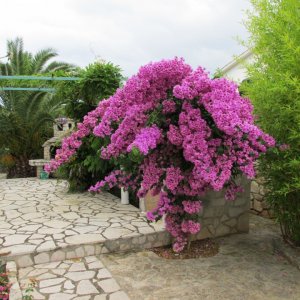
77 279
40 222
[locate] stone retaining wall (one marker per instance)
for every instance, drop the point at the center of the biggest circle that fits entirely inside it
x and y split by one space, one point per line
136 242
258 204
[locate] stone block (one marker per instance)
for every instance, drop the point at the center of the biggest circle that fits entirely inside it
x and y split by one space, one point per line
89 249
219 211
243 222
212 230
218 201
257 205
224 218
222 230
203 234
151 238
24 261
79 252
258 197
254 187
120 295
58 256
208 212
236 211
42 258
109 285
98 249
71 254
231 223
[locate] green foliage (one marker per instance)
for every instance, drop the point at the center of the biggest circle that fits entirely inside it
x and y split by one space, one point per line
218 73
274 88
28 291
98 81
85 168
26 117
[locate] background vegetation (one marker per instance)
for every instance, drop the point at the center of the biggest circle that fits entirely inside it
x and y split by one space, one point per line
26 117
274 88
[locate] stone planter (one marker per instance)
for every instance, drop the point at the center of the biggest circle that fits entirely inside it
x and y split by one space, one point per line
221 217
218 217
149 202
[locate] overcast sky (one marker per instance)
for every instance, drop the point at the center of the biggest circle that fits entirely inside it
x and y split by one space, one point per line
129 33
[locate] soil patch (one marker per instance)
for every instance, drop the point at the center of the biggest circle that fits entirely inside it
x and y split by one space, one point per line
200 248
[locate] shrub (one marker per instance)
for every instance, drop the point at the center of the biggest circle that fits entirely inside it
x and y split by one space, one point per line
273 86
178 133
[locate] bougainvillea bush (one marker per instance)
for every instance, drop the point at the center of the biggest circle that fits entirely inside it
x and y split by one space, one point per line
178 133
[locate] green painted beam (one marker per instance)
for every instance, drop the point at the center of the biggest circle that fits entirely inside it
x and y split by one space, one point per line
27 89
25 77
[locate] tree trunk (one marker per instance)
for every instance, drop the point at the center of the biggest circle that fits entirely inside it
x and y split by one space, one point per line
21 169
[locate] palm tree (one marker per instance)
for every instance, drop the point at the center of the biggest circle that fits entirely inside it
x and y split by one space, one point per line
26 117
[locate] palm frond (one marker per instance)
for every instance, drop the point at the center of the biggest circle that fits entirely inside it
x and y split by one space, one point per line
57 65
41 58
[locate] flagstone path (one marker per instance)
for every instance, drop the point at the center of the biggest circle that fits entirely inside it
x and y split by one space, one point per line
77 279
40 222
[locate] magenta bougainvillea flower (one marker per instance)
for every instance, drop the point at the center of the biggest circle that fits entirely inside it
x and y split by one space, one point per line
191 134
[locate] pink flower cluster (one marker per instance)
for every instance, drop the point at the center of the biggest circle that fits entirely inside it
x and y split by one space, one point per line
192 207
193 134
146 140
232 191
169 106
189 226
115 178
173 178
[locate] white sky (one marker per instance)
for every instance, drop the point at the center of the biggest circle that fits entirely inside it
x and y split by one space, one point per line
128 33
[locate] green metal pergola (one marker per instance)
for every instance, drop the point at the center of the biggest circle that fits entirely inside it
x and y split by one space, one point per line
38 89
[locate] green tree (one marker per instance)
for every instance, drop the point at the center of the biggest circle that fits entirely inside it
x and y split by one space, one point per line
26 117
98 81
274 88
